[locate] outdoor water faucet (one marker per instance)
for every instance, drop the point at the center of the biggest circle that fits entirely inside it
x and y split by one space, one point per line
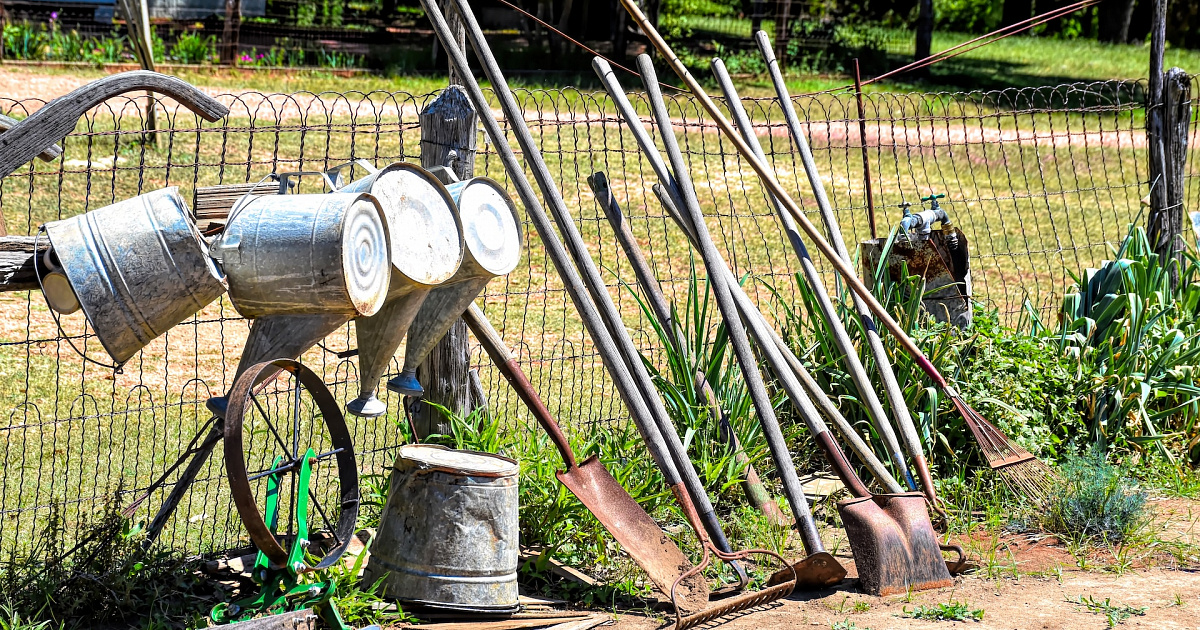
922 222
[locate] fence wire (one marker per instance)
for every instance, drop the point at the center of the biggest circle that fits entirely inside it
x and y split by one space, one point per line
1040 180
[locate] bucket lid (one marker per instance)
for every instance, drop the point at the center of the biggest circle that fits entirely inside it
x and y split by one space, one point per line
427 244
474 463
491 229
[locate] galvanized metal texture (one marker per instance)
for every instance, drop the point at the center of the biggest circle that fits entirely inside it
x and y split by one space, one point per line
895 548
427 252
306 254
235 461
595 487
449 537
137 267
492 237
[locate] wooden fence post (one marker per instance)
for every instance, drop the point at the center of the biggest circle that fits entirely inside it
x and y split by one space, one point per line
231 31
1168 114
448 124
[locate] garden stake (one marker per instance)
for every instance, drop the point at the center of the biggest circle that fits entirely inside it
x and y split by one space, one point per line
593 485
744 304
647 426
774 187
858 373
883 365
819 569
752 485
1023 472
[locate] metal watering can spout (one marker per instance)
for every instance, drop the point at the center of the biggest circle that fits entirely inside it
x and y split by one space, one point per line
426 251
492 235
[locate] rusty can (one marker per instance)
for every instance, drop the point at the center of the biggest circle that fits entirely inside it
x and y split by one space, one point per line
136 268
305 254
448 536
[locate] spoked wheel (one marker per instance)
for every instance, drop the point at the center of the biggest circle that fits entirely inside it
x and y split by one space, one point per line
291 466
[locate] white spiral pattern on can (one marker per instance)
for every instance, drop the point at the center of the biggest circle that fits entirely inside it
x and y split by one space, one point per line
365 257
489 227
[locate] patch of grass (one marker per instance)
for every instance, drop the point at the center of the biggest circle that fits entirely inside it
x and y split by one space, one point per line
952 610
1115 614
1096 501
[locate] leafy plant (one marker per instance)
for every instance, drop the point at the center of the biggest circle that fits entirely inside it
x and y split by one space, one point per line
1096 500
846 624
952 610
1116 614
194 48
357 605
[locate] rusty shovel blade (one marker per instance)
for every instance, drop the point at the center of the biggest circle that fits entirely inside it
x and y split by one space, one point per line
638 534
895 547
813 573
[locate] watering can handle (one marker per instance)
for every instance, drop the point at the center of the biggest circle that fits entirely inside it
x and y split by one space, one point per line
334 174
285 180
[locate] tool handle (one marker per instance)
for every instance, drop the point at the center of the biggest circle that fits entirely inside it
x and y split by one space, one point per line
841 467
490 339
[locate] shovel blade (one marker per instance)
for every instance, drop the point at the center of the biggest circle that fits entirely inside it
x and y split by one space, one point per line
638 534
894 545
818 571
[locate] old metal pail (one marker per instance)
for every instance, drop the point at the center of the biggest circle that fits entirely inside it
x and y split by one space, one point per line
492 235
448 537
137 267
305 254
427 247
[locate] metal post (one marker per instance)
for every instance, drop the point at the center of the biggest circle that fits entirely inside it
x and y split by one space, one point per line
862 138
448 125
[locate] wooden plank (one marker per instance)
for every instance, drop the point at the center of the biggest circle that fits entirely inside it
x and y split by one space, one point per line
503 624
16 262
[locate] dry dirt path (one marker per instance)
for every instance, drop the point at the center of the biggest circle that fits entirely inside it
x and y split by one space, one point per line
1027 603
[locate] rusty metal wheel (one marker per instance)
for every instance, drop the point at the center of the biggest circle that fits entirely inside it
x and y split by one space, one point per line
281 413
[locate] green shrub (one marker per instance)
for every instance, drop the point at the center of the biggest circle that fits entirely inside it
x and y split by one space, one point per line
194 48
970 16
1095 500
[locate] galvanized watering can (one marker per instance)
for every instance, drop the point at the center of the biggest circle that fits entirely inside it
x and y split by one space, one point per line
426 250
136 268
492 234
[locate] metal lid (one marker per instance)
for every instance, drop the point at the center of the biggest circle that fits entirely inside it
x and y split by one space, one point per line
426 238
460 462
491 229
365 254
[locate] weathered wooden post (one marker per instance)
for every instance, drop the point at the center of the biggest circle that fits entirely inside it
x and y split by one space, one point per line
231 32
1168 113
448 125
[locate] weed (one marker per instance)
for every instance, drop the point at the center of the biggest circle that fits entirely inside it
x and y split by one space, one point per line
952 610
359 606
1178 600
194 48
846 624
1116 614
861 606
1096 501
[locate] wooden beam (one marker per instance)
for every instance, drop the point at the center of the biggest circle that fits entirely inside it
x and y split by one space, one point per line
16 262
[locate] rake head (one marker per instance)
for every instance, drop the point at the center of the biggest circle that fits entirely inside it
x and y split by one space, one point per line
734 604
1024 473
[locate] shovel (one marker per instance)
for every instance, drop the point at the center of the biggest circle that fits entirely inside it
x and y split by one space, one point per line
595 487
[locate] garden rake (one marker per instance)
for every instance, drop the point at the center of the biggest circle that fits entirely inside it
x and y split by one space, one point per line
1015 476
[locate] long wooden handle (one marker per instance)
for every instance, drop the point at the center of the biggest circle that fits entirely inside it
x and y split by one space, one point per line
773 185
494 346
43 128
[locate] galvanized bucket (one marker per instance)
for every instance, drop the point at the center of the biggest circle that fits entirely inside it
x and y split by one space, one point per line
305 254
427 251
448 536
492 235
137 268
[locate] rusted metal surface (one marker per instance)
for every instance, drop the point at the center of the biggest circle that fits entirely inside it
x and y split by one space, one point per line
137 267
235 460
448 537
596 488
306 254
426 251
946 272
895 547
492 238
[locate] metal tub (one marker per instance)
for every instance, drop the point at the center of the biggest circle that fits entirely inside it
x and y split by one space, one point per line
448 537
137 268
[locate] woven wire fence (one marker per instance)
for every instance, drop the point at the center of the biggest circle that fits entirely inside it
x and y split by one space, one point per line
1040 180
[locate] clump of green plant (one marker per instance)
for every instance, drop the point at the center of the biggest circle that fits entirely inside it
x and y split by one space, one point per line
952 610
359 605
1115 614
194 48
1096 500
846 624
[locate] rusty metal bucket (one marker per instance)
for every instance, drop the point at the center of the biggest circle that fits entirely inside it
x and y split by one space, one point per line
895 547
942 260
448 537
427 251
305 254
136 267
492 235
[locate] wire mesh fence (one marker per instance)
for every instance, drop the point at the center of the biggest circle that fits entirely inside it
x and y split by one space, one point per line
1039 180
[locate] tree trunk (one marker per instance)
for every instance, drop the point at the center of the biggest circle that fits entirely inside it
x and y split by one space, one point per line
1115 18
924 35
1015 11
230 33
447 124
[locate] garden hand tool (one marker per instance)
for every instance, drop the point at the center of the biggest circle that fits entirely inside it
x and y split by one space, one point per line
752 486
594 486
600 334
833 320
819 569
1023 472
883 365
774 187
